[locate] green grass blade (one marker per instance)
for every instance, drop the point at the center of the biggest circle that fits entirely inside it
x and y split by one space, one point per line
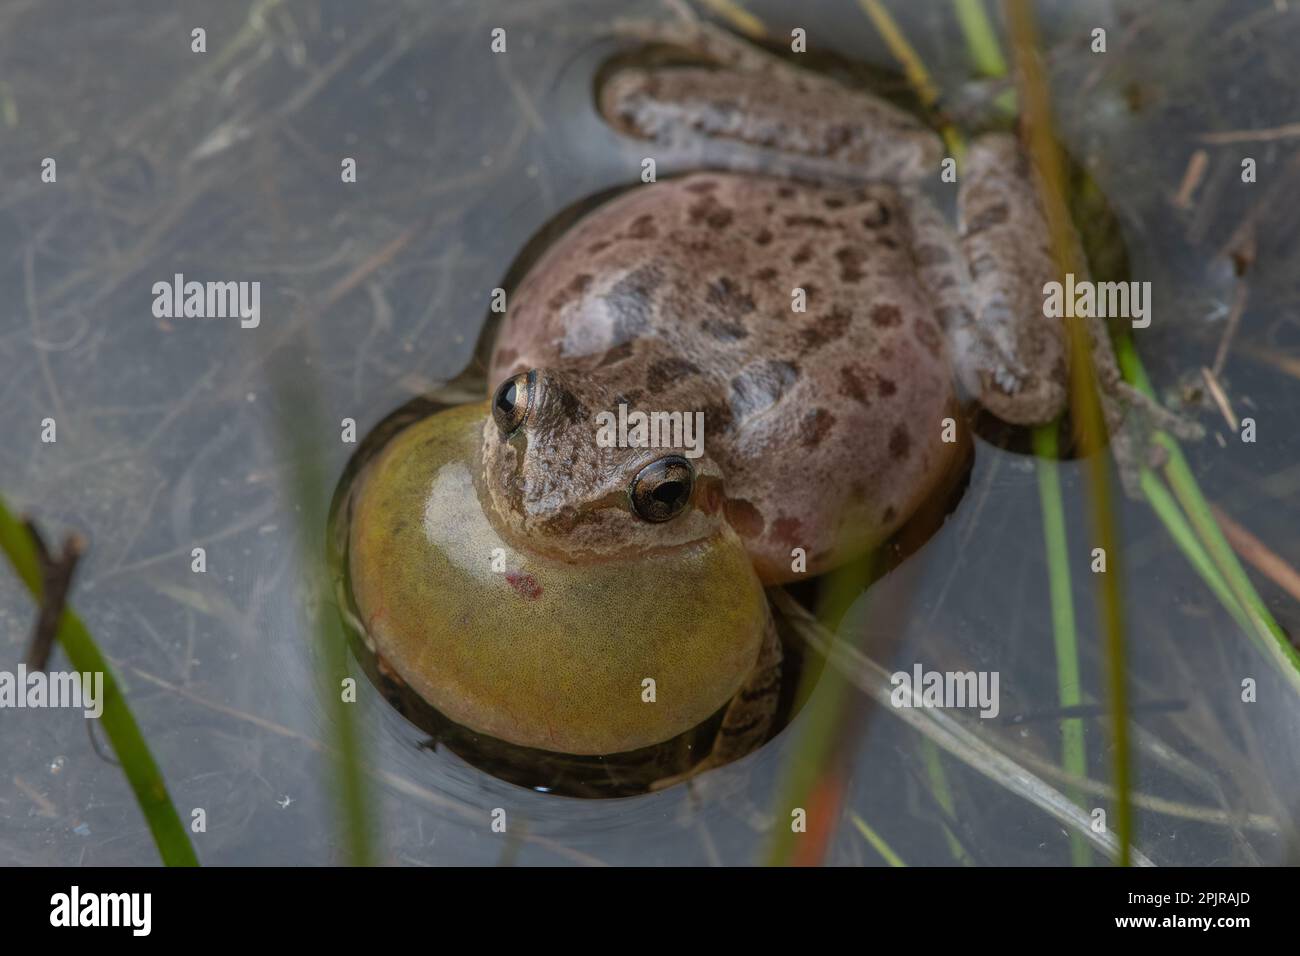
877 842
301 416
118 724
942 791
981 40
1208 549
1073 755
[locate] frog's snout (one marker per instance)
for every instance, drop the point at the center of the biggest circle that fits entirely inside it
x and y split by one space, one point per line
531 648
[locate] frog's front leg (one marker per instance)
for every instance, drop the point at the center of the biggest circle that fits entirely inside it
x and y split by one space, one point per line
748 718
790 121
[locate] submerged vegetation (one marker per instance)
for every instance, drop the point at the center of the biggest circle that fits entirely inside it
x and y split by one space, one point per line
1137 722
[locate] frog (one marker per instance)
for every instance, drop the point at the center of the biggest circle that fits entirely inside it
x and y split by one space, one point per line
801 293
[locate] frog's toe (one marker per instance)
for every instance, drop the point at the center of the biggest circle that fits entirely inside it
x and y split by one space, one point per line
1135 441
1177 424
1020 397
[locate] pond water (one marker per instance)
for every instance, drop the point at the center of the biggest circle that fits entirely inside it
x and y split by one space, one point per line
171 431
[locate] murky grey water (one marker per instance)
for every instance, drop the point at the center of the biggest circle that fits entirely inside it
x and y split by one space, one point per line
227 166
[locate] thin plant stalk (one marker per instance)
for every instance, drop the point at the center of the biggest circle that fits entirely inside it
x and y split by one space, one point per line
1246 606
1073 755
981 39
1085 403
942 791
988 59
877 841
299 404
117 721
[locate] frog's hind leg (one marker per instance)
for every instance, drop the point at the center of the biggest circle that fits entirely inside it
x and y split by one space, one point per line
791 121
747 721
1005 353
1008 354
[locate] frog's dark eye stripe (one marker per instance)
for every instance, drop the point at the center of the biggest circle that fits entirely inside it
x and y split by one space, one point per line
662 489
511 402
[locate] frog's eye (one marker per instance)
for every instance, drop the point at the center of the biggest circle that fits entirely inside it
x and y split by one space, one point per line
662 489
511 402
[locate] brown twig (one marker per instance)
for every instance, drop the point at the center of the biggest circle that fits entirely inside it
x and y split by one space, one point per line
56 580
1252 135
1243 258
1192 177
1220 398
1257 553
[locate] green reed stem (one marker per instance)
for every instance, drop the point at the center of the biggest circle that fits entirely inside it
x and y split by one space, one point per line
981 39
877 842
300 408
943 795
1085 403
1214 558
1073 754
118 724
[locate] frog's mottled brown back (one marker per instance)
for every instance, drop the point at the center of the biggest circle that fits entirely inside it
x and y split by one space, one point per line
683 296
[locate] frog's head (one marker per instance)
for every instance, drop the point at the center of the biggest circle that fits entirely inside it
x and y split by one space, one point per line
532 645
573 471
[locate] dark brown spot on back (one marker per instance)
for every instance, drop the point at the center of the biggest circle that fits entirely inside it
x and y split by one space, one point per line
852 386
900 442
886 316
711 212
877 215
813 222
851 260
814 427
826 328
575 287
643 227
856 384
666 371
